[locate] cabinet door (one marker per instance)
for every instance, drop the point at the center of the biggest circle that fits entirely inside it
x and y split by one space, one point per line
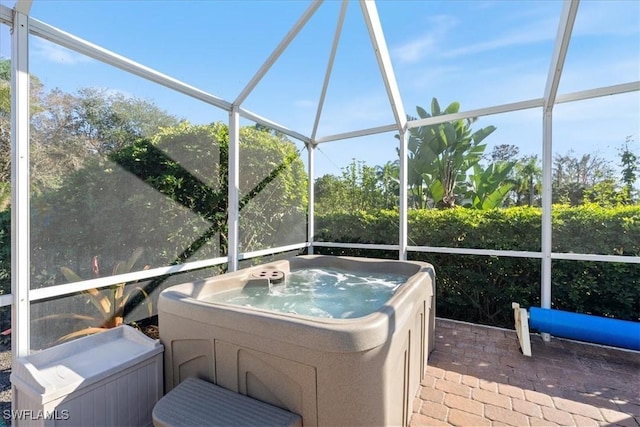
282 382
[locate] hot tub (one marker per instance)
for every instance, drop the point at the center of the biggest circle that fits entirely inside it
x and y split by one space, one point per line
332 371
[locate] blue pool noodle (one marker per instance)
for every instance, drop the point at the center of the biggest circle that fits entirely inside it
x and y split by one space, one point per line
585 327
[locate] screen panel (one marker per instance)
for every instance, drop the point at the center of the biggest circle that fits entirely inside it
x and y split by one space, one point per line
126 174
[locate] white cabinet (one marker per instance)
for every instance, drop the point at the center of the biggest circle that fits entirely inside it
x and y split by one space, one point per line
113 378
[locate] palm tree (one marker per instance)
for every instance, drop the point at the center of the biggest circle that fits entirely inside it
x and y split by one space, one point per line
528 178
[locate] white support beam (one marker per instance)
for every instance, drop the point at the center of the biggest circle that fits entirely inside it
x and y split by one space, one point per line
311 220
23 6
547 230
565 26
302 21
233 199
75 287
6 15
327 75
596 257
481 252
20 188
273 125
403 208
91 50
357 133
567 19
373 246
271 251
370 13
599 92
498 109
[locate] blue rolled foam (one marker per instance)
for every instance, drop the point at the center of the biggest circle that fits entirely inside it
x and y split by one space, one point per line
585 327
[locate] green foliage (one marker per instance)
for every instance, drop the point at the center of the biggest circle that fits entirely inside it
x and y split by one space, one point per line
440 156
169 195
379 226
594 229
109 303
360 187
629 164
489 187
599 288
111 121
5 69
572 176
528 181
481 288
5 252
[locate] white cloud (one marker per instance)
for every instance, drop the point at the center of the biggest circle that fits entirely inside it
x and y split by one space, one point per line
354 113
54 53
415 50
305 103
533 33
427 43
439 41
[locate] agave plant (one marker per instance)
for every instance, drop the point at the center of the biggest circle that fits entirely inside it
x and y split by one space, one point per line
109 305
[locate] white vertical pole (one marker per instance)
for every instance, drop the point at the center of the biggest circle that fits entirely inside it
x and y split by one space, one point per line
20 209
311 149
565 27
234 188
403 208
547 158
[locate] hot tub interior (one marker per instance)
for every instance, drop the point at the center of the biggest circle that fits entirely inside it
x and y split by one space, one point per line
356 360
319 292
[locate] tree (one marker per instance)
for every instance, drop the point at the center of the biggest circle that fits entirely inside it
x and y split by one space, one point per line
528 181
572 176
441 155
330 194
629 164
504 153
110 121
357 189
5 133
169 195
388 176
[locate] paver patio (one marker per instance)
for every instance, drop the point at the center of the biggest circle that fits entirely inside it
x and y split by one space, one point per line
478 377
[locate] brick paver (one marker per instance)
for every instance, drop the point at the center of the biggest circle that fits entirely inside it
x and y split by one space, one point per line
464 404
505 416
463 418
527 408
478 377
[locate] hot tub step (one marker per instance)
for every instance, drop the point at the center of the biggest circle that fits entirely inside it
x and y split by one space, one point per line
195 402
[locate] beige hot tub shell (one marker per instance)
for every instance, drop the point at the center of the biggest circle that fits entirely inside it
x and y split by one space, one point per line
332 372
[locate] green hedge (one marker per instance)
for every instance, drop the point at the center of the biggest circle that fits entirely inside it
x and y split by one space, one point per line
480 289
5 252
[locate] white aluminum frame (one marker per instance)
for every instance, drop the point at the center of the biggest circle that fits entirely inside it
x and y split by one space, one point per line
20 188
327 75
234 189
23 25
278 51
567 19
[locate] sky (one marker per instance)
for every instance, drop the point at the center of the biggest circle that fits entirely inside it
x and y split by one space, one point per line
478 53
